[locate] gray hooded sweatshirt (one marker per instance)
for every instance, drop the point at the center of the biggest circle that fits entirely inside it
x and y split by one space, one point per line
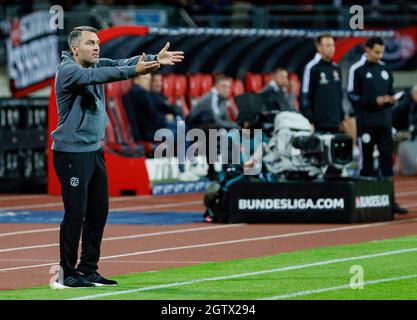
82 117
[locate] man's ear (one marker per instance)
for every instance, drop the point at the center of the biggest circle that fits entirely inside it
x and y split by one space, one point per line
74 50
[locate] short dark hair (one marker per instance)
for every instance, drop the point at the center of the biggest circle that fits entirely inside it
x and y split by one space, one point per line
373 41
220 77
75 34
322 36
279 69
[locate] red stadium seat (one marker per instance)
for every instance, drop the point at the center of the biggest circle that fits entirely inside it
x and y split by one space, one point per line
119 134
110 136
112 143
267 77
295 87
237 90
194 89
115 91
207 83
254 82
180 92
168 86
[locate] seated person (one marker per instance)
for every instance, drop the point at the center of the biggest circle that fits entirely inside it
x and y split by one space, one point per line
249 144
276 92
144 111
211 109
162 101
211 112
405 112
150 114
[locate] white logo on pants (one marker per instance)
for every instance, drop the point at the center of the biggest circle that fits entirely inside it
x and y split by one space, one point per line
366 138
74 181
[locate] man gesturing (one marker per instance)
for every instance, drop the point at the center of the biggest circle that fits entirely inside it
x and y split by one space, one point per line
78 157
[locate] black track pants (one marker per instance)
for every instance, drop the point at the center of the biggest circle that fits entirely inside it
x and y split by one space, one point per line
84 186
382 138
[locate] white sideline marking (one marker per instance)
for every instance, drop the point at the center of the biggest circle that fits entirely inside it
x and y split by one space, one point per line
23 197
27 232
211 244
156 206
247 274
405 194
152 206
410 205
118 261
33 206
285 235
346 286
111 210
405 183
29 267
134 236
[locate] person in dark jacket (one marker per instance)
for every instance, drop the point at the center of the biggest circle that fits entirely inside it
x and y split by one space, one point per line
276 93
147 115
161 100
405 112
211 109
77 153
210 112
370 90
321 99
151 112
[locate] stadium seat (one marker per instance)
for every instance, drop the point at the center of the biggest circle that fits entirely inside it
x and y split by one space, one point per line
266 78
180 91
207 83
237 89
295 87
254 82
194 89
110 136
119 130
114 93
168 86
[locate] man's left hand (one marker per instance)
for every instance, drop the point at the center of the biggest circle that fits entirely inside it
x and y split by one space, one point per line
392 99
166 57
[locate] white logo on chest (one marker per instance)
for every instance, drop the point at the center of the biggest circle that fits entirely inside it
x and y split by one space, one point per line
368 75
323 79
384 75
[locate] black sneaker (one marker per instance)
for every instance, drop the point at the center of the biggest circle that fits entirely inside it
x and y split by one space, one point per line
73 282
398 209
98 279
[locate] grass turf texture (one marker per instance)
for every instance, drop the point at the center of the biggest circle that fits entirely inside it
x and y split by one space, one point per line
270 284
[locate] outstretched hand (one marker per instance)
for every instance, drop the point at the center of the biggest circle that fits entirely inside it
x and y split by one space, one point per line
144 67
166 57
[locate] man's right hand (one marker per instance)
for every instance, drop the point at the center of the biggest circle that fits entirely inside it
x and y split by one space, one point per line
381 100
170 117
144 67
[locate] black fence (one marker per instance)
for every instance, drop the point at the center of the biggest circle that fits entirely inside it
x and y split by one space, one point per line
23 145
